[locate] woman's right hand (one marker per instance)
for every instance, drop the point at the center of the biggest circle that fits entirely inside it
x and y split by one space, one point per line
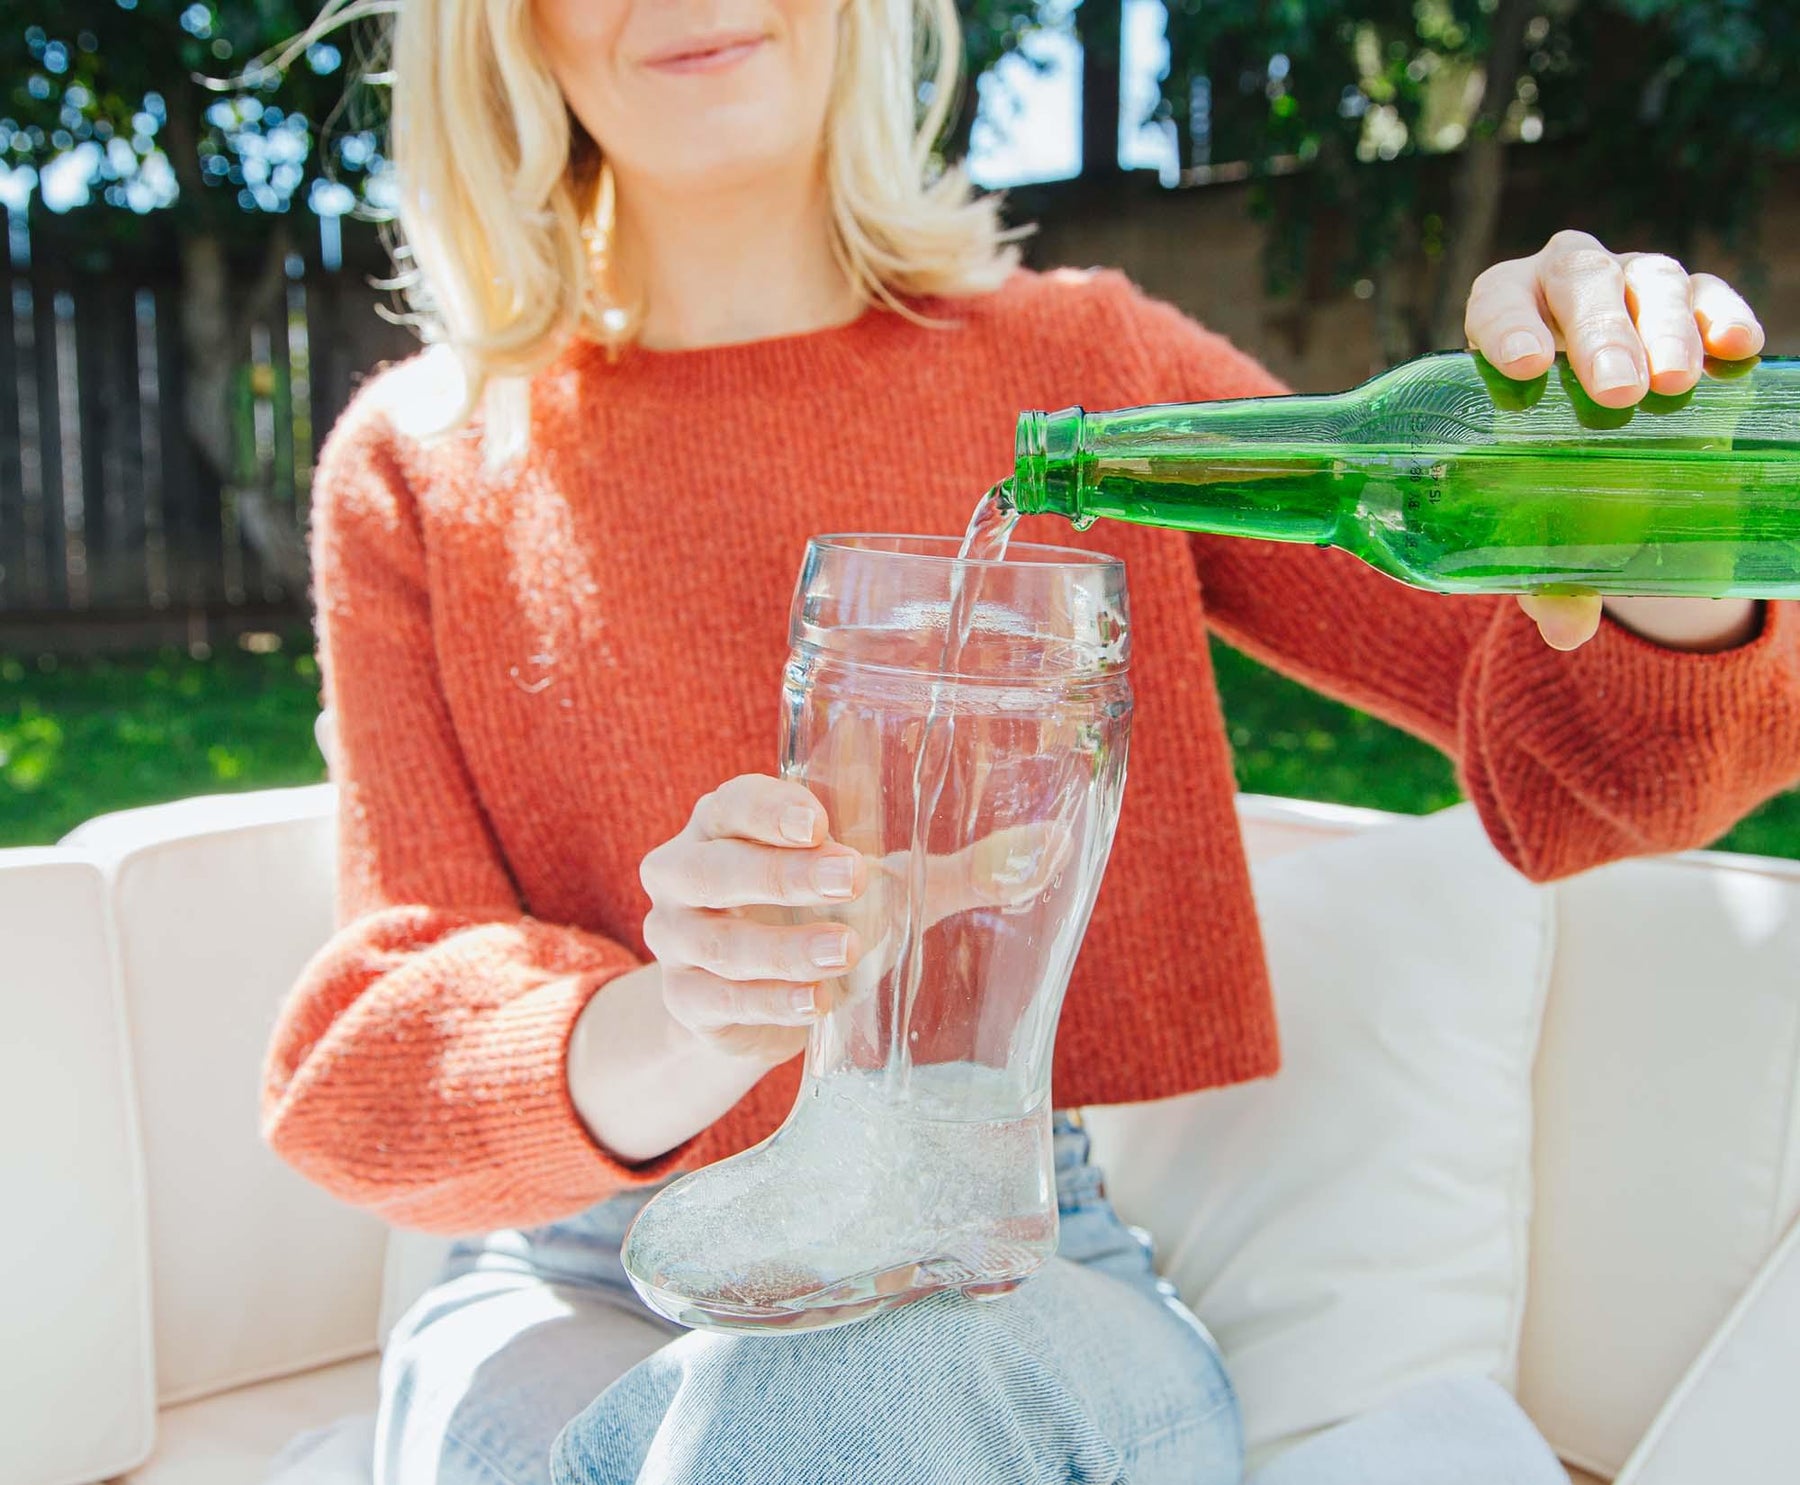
744 967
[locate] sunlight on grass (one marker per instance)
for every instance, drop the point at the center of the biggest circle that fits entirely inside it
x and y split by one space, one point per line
80 737
1289 740
83 736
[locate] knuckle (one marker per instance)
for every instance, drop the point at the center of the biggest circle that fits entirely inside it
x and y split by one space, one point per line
699 879
656 933
1655 268
706 811
688 994
1595 266
719 1002
793 954
677 988
780 880
663 936
1573 240
709 947
1496 276
1607 326
676 878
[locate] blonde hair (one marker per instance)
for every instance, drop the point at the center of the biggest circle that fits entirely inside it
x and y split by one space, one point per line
505 202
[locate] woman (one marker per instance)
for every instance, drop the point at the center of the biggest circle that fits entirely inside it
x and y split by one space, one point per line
698 301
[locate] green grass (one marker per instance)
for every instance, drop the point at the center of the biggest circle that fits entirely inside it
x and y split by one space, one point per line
1289 740
83 736
80 737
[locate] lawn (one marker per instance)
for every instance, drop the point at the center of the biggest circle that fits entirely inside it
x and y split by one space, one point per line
79 737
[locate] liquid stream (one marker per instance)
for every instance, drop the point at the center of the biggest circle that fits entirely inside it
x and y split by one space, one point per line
985 539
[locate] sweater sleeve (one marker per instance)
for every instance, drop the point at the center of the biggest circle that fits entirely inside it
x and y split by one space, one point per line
1622 747
418 1066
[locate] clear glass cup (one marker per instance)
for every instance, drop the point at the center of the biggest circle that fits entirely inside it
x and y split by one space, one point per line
982 781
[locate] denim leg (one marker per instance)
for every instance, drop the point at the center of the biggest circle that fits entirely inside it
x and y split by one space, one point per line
518 1336
1076 1377
1092 1371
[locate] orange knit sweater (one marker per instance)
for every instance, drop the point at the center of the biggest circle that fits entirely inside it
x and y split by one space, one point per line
535 675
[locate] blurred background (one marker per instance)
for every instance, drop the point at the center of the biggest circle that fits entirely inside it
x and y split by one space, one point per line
194 292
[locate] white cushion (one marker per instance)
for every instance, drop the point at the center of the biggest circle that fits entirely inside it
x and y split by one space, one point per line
1273 826
414 1261
1668 1105
1733 1416
218 904
1359 1223
231 1438
76 1381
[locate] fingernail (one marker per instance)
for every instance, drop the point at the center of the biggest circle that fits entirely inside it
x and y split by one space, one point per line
1613 368
830 950
797 824
802 1001
1671 353
1733 327
1519 345
835 876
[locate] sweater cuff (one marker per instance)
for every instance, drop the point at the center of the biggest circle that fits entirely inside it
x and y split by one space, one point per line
1624 746
1695 691
537 1141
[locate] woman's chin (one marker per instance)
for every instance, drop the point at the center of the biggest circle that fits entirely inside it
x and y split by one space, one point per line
718 147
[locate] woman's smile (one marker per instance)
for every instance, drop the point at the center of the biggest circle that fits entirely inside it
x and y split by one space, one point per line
717 53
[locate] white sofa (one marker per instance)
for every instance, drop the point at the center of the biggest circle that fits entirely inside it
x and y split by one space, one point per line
182 1304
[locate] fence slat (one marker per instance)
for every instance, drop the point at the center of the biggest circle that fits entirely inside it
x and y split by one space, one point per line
105 510
12 494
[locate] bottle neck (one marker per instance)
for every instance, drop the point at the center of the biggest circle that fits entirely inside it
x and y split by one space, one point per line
1249 467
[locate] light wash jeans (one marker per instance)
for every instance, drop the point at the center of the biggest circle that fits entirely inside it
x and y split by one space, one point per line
533 1361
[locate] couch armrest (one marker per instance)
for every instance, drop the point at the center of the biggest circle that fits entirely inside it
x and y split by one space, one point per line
1733 1415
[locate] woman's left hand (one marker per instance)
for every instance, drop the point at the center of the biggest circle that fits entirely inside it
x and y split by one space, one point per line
1631 323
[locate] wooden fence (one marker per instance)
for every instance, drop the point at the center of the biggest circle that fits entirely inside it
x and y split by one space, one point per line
106 522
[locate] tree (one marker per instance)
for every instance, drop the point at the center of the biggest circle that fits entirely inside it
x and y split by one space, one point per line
157 120
1382 132
1098 25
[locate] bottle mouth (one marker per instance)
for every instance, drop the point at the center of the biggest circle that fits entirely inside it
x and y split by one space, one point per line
1046 450
1031 449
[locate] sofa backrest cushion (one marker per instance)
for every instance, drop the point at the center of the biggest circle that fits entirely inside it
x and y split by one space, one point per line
1668 1114
1359 1222
76 1377
218 903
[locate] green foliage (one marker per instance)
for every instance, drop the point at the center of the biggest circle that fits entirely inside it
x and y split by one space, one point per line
1681 107
173 105
1674 109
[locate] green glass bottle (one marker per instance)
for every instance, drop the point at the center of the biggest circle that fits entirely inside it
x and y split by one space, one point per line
1448 476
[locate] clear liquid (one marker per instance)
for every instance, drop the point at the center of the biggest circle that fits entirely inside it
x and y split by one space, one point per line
950 1186
984 540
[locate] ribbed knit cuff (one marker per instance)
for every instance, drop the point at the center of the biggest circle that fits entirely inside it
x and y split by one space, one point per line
513 1068
1624 746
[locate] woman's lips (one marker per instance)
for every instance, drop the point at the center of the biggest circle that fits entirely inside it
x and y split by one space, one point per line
706 56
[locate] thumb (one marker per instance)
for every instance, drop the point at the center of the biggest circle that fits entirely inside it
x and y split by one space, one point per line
1566 620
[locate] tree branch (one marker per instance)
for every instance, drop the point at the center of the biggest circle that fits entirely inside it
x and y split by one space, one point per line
1475 196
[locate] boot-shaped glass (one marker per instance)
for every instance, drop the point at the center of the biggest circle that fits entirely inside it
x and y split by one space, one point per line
982 781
